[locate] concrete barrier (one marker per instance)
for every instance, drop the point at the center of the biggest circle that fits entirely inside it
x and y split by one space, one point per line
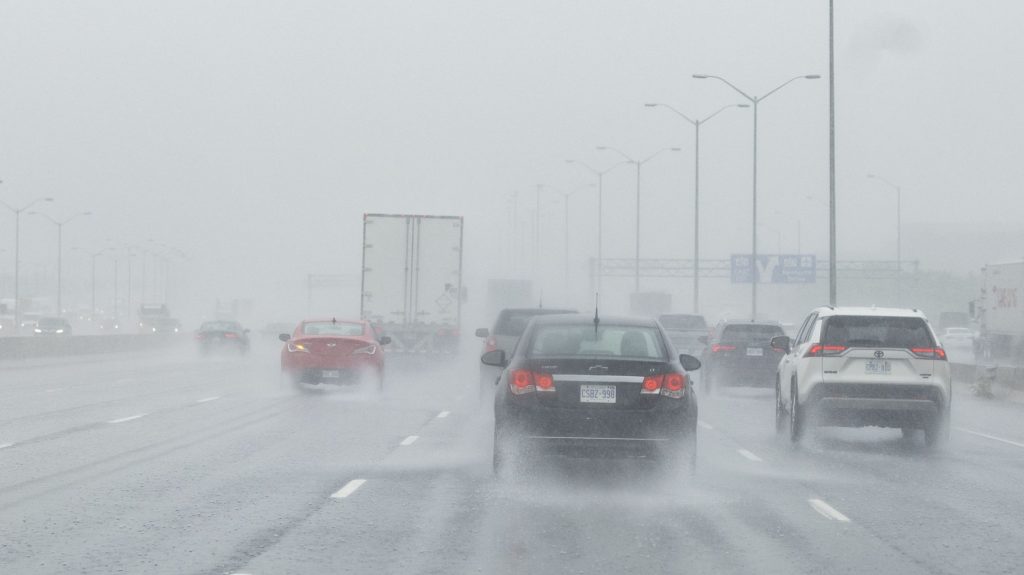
13 348
1010 376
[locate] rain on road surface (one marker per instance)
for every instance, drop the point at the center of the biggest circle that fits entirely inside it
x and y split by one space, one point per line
168 463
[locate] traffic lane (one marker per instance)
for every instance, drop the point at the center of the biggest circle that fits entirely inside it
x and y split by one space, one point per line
48 402
434 506
216 480
898 489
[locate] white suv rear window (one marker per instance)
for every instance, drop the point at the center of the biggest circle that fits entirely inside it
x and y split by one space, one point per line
876 331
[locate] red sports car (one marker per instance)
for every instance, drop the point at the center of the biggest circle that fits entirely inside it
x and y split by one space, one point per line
333 351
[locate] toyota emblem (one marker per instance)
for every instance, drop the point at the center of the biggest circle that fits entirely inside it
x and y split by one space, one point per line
879 354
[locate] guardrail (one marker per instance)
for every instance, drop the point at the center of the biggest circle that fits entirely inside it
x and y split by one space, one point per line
26 347
1010 376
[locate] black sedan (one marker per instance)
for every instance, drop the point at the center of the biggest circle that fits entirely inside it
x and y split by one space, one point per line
594 386
222 336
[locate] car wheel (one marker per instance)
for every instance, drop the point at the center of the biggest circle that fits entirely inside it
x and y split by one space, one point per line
796 416
936 433
499 462
780 411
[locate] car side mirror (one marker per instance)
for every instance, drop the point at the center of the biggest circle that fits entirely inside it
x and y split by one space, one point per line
384 339
782 342
282 337
689 362
703 339
482 332
494 358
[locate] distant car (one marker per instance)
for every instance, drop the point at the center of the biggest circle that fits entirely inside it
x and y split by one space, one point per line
164 325
107 323
222 336
508 326
52 326
740 353
7 326
28 322
688 332
605 388
958 337
333 351
857 367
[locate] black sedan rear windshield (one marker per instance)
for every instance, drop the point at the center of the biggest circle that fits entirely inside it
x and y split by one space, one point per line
631 342
221 326
874 331
750 332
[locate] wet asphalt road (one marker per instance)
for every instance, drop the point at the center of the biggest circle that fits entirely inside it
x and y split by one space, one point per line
176 464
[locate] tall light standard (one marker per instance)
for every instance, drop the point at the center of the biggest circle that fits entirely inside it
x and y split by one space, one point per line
899 234
600 199
93 256
639 164
696 189
60 253
755 100
17 252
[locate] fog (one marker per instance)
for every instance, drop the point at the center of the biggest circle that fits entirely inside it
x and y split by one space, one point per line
252 136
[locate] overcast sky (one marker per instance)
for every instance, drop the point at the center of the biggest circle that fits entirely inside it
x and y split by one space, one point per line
254 135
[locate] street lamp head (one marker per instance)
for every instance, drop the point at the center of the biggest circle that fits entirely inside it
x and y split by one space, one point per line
570 161
742 105
602 147
651 105
872 176
86 213
675 149
47 199
701 76
812 76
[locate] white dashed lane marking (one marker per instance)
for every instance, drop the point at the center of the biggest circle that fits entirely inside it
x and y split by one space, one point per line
827 510
410 440
748 455
704 424
206 399
6 445
129 418
992 437
348 489
443 414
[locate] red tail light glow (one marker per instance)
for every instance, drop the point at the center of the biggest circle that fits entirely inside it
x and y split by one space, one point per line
818 350
523 381
717 347
929 353
231 335
652 384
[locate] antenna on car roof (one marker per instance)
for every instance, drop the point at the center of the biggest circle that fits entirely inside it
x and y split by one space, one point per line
597 316
334 320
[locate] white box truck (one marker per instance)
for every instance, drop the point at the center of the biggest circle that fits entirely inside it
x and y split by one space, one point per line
412 280
999 310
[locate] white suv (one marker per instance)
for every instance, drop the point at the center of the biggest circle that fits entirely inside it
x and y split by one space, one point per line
858 367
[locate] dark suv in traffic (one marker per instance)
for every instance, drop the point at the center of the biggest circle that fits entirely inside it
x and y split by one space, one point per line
740 353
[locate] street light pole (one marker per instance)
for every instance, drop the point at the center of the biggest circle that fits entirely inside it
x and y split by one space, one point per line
600 218
60 253
697 123
17 254
639 164
899 235
755 100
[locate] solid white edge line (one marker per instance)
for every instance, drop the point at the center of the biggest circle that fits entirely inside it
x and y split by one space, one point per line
992 437
6 445
827 510
443 414
704 424
749 455
348 489
129 418
410 440
205 399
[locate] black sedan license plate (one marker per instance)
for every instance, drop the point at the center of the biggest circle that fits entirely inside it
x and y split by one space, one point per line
597 394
